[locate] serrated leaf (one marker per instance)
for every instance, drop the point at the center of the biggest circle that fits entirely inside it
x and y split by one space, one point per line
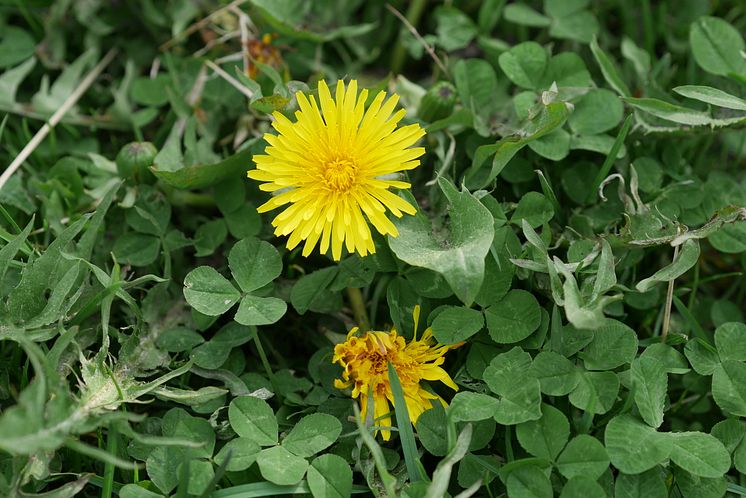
679 114
27 299
548 119
9 250
11 79
686 258
48 100
711 96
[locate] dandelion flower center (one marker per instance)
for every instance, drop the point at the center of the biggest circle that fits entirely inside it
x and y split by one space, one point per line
340 174
332 170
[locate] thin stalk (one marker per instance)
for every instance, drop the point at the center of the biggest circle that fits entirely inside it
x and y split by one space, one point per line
10 219
357 303
183 198
712 278
509 457
57 116
399 54
97 121
166 259
648 28
695 287
410 22
611 158
669 303
138 133
266 365
192 28
387 479
112 438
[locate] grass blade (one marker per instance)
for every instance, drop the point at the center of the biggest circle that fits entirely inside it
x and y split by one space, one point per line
611 157
263 489
389 481
99 454
217 476
442 474
406 434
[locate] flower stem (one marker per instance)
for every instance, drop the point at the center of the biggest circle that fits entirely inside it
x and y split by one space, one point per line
265 363
399 55
111 447
669 302
358 308
389 481
182 198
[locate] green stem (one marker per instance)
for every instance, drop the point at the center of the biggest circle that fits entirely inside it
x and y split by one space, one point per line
695 287
111 447
649 29
183 198
669 303
610 158
166 259
266 365
399 54
508 445
389 481
358 308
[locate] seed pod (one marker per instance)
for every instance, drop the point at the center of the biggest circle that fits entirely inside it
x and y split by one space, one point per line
134 161
438 102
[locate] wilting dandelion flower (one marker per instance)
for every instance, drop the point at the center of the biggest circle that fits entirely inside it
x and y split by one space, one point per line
365 362
334 166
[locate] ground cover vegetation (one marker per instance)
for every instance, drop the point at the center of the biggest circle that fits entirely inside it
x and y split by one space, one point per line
345 247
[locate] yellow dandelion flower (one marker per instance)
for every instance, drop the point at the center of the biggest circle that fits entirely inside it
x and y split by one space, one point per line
365 362
334 166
